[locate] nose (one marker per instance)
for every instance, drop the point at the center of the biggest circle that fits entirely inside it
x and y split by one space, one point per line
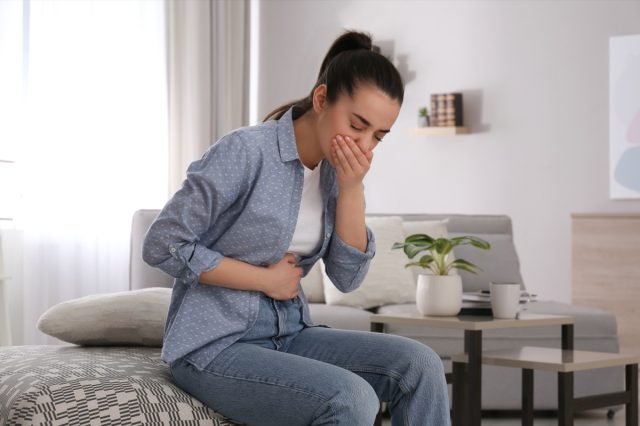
368 145
364 142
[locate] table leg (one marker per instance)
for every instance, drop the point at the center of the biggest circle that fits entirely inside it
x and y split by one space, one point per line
567 337
631 409
458 390
527 397
473 388
565 399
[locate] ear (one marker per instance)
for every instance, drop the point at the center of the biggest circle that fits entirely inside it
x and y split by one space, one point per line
320 98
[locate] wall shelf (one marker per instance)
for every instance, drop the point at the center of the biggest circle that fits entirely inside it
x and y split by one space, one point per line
439 131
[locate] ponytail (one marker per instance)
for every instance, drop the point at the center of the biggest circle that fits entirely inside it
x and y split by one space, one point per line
350 61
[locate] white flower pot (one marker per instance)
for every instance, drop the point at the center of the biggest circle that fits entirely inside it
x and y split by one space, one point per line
439 295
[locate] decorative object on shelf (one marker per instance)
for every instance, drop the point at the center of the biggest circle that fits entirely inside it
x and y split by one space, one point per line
446 110
423 117
624 117
438 293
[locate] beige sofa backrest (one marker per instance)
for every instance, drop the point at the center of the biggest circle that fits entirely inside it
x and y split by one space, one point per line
500 263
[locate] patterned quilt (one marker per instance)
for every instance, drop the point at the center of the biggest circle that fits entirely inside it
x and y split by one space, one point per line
86 386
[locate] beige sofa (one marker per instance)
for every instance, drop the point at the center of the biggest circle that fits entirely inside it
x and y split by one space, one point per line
594 329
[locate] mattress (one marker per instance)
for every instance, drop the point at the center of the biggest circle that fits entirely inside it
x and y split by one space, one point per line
91 385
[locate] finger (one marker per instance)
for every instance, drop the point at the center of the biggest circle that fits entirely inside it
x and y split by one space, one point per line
358 154
353 164
291 257
342 155
352 151
337 160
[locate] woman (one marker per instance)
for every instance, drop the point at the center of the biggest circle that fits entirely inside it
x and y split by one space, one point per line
255 213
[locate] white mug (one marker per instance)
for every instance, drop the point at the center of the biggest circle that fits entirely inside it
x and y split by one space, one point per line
505 300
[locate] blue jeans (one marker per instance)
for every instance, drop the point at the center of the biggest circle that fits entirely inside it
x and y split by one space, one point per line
282 373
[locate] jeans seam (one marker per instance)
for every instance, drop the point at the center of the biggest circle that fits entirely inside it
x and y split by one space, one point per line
377 370
392 375
327 406
255 380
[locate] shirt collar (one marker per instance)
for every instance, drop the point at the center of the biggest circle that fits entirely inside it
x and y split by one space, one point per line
286 135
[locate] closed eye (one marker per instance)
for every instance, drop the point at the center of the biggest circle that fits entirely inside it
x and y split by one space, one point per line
360 129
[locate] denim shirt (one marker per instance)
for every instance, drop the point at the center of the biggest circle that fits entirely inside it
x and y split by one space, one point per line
240 200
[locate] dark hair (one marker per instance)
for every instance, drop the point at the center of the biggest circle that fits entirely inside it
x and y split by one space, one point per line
349 62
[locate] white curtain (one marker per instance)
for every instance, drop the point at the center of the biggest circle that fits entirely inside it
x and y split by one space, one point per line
208 77
94 145
110 102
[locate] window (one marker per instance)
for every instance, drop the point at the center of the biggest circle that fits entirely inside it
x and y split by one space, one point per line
84 120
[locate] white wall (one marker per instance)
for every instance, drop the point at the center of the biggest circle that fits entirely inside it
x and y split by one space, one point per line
535 80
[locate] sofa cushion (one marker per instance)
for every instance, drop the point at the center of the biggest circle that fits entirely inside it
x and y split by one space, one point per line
135 317
336 316
500 263
387 280
312 283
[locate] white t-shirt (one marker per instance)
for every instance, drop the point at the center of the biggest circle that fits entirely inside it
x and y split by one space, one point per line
309 228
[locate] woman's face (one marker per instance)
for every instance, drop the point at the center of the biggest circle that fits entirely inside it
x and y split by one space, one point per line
366 117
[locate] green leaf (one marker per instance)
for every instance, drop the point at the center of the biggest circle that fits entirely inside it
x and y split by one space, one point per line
438 252
426 260
474 241
419 238
480 243
412 250
463 264
443 246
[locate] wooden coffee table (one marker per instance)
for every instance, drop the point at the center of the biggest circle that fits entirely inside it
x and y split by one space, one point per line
467 394
565 363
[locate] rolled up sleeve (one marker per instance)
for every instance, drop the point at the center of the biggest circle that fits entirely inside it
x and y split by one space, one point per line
346 265
191 260
213 183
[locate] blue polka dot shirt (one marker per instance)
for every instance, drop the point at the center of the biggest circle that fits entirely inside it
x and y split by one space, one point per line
240 200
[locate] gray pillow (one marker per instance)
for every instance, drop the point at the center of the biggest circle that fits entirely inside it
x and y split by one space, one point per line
499 264
134 317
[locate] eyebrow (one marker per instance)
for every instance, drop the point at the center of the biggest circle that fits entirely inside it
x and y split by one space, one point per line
366 123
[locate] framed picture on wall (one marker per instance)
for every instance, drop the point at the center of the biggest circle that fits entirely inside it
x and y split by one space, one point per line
624 117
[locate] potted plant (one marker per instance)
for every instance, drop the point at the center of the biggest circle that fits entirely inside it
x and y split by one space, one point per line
423 117
439 293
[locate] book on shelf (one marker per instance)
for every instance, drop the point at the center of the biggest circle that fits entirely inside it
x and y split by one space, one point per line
446 110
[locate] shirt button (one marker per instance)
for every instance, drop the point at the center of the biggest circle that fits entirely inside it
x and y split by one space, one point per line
172 250
328 235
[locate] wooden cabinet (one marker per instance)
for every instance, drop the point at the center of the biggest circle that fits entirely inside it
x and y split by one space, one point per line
606 269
